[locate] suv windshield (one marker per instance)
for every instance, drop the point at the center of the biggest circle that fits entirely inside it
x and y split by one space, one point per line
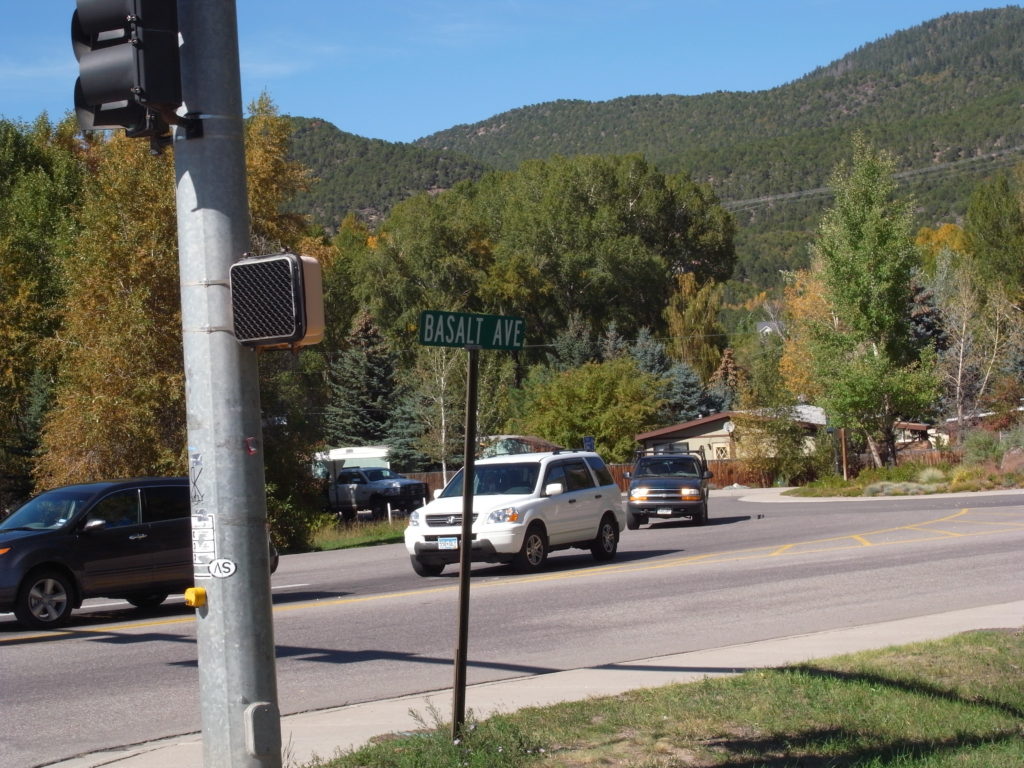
49 510
667 467
497 479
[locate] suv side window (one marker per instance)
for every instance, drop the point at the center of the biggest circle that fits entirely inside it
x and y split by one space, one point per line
555 474
118 510
578 476
604 476
166 503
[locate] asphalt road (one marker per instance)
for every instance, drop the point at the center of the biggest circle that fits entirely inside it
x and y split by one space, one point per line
358 625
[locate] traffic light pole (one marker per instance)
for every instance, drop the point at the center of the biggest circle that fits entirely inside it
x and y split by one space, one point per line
238 688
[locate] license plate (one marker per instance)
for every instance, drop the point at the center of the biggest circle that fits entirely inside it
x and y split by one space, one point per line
665 512
448 542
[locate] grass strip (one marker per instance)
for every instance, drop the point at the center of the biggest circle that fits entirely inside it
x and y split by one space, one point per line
955 702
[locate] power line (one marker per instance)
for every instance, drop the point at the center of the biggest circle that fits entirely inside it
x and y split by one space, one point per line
940 168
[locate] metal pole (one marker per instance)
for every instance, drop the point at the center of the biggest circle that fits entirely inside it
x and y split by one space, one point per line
238 687
465 545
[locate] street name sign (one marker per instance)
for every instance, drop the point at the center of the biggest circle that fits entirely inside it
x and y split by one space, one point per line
460 329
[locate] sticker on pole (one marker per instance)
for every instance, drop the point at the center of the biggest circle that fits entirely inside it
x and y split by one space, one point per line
222 568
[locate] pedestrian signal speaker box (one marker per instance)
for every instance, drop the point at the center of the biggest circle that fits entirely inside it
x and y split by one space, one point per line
277 301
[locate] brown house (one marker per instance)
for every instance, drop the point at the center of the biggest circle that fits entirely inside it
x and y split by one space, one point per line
714 433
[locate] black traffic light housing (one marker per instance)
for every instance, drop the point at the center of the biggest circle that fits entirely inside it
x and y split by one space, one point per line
277 301
129 69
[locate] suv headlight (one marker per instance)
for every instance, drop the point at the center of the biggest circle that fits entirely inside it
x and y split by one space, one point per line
504 515
414 518
689 493
639 494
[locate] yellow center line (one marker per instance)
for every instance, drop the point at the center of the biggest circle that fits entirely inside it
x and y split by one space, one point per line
811 546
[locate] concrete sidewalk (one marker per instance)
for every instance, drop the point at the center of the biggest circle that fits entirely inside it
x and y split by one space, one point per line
324 732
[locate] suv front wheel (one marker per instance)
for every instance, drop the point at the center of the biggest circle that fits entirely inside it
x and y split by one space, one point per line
45 600
426 569
534 551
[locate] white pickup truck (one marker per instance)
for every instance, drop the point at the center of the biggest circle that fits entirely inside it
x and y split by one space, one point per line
375 489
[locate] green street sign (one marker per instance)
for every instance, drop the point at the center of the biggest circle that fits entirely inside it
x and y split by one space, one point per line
458 329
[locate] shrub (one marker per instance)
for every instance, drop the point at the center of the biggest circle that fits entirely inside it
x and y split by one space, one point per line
930 476
981 446
293 522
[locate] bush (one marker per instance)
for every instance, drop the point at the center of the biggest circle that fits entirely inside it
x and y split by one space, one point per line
982 446
293 522
930 476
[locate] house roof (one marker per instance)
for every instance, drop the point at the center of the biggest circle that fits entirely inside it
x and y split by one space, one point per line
810 415
665 431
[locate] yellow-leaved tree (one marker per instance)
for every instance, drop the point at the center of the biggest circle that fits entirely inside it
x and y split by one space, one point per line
119 407
120 400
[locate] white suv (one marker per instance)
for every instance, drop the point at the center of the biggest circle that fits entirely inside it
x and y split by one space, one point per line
525 505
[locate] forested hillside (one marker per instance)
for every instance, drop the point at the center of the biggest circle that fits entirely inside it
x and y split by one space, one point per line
945 97
367 176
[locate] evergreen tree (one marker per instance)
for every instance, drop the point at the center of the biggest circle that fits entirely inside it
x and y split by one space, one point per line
649 353
363 388
926 322
612 343
573 346
685 398
404 436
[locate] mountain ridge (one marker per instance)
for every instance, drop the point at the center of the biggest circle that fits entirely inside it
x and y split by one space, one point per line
939 95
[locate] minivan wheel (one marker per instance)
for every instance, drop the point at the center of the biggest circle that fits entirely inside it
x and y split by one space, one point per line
147 601
606 543
534 552
45 600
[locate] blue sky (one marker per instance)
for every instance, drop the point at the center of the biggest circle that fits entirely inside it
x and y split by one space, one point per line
401 69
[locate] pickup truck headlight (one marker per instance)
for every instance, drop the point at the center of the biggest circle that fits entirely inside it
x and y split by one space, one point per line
689 494
639 494
504 515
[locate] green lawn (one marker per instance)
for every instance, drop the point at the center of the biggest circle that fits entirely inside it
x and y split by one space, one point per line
956 702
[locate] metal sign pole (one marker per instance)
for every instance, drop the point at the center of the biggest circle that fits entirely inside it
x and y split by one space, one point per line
465 545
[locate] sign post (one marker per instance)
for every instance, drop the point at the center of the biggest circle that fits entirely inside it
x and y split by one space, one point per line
473 333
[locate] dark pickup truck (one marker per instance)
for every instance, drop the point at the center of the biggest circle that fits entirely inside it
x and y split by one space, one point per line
664 486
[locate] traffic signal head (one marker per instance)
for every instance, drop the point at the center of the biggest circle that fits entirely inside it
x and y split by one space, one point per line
277 301
129 73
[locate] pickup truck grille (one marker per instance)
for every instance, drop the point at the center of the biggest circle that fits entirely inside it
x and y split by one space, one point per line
663 494
413 491
444 521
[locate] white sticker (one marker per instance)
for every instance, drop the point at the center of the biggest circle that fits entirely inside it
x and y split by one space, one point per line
222 568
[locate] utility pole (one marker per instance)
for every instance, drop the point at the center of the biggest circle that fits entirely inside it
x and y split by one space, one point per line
238 686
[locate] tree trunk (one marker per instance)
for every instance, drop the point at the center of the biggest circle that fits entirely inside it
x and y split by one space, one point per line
876 458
